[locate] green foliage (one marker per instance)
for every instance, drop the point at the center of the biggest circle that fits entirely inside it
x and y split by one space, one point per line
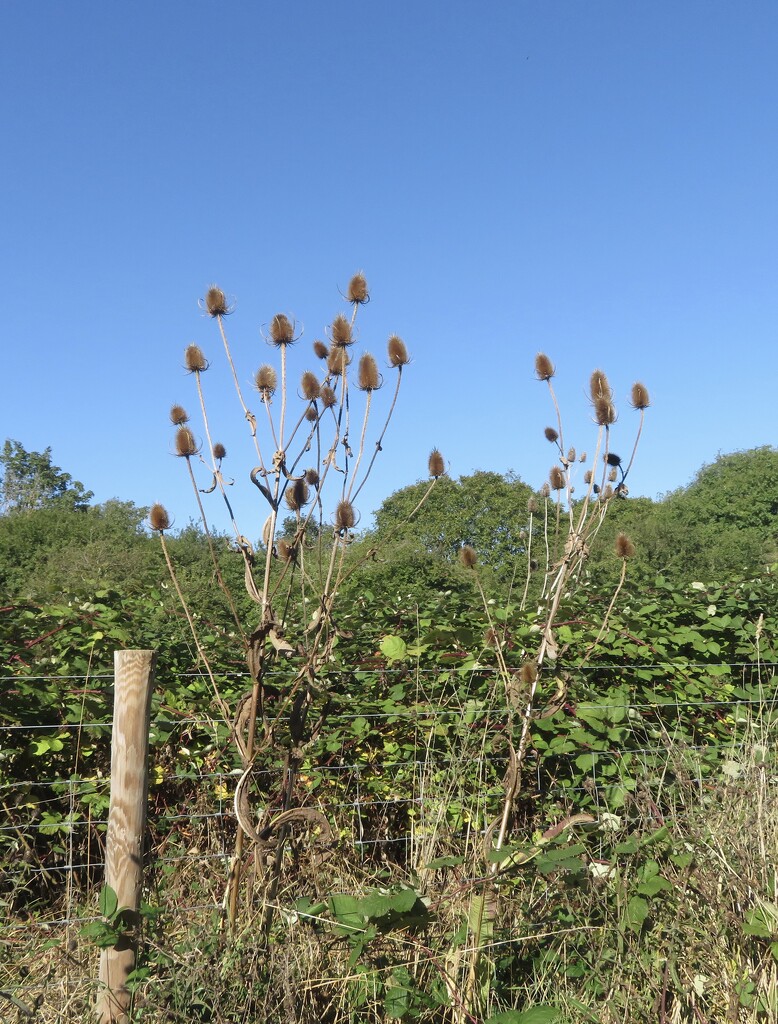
31 481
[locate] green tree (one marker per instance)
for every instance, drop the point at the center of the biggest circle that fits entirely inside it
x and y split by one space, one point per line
29 481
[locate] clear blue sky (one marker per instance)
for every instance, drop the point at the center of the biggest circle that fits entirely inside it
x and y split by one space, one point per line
596 180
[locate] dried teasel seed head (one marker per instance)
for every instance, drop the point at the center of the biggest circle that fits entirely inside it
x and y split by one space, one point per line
624 546
328 397
345 517
544 368
357 289
397 352
266 381
571 455
309 385
612 459
178 415
599 387
311 415
545 491
281 330
613 474
340 332
159 519
604 412
588 476
297 495
582 457
286 552
606 493
435 464
528 672
532 506
369 378
492 638
312 477
468 557
639 397
556 478
185 443
216 302
551 435
194 360
219 451
337 361
320 350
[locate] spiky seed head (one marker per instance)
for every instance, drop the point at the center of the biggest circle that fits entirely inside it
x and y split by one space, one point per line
599 387
219 451
185 443
528 672
286 551
435 464
194 360
571 455
532 506
328 397
340 332
544 368
545 491
266 381
345 517
551 435
297 495
281 330
583 457
312 476
556 478
607 492
613 474
624 546
397 352
216 302
492 638
639 397
468 557
320 350
310 414
604 412
159 519
612 459
310 387
337 361
369 378
357 289
178 415
588 476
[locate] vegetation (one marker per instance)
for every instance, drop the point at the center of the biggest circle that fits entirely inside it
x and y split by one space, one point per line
507 757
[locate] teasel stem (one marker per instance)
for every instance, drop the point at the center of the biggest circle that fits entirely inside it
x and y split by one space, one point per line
588 497
212 551
635 446
523 603
381 436
547 572
606 619
360 453
249 415
280 444
223 708
560 439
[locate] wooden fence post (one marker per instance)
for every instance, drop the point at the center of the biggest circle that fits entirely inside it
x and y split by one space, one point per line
133 684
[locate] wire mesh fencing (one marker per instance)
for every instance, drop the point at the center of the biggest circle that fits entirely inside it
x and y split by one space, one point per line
391 782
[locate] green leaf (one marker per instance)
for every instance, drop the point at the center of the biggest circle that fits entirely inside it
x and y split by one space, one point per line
636 913
394 648
444 862
109 902
535 1015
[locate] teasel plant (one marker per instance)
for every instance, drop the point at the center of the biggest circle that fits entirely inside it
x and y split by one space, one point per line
569 529
316 440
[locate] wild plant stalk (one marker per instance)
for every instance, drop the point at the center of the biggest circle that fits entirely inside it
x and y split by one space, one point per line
279 565
559 577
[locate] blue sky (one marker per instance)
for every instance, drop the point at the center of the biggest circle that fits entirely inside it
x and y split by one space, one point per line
594 180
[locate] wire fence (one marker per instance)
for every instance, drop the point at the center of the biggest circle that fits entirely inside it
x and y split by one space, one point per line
386 779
